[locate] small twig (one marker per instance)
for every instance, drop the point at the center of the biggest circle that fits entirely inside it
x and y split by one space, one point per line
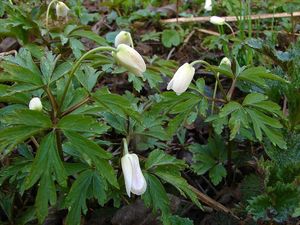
170 53
2 54
34 141
284 108
208 32
211 202
186 40
231 18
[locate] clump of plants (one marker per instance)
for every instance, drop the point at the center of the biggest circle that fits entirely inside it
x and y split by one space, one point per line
88 123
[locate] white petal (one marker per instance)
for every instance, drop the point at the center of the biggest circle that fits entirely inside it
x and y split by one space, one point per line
130 59
127 172
182 78
217 20
61 9
208 5
123 37
139 183
35 104
170 84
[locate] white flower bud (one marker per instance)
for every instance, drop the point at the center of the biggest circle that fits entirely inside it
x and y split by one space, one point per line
134 179
208 5
61 9
226 61
182 78
124 37
217 20
35 104
130 59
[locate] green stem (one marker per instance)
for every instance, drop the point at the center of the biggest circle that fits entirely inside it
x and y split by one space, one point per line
77 64
225 45
59 144
54 105
221 88
199 62
230 92
232 31
125 146
48 10
215 93
76 106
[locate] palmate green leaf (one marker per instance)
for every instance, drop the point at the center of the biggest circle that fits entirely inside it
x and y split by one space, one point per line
173 177
259 101
83 124
210 158
86 146
31 118
47 160
281 199
258 75
87 77
157 198
168 169
254 98
76 199
151 127
237 120
6 95
47 65
94 153
170 38
160 158
268 125
88 184
21 68
176 220
17 170
115 104
229 108
47 167
217 173
46 193
77 47
90 35
7 204
61 70
11 136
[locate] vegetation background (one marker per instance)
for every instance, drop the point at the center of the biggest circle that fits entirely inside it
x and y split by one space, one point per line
226 151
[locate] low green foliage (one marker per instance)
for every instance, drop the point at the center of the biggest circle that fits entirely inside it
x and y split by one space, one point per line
66 153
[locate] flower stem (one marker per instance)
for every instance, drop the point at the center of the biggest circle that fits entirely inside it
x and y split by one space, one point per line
125 146
199 62
214 94
48 10
77 64
232 31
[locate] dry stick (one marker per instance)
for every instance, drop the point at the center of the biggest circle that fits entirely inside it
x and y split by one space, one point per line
231 18
211 202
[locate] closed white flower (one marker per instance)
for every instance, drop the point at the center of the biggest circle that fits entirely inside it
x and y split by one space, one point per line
130 59
217 20
123 37
134 179
208 5
35 104
226 61
61 9
182 78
